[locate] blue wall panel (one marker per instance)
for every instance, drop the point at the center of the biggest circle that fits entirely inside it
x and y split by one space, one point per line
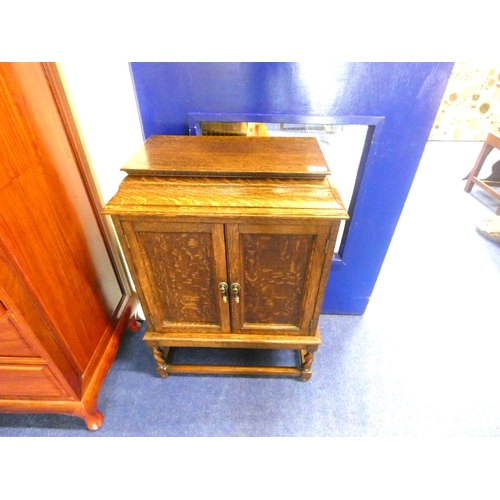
405 95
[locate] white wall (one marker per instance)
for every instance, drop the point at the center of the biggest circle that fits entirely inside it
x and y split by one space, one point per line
103 100
103 97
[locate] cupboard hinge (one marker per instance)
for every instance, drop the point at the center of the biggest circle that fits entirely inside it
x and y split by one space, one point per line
311 324
326 244
126 240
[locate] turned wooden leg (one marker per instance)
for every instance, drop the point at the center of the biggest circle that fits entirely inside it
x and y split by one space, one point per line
161 365
307 360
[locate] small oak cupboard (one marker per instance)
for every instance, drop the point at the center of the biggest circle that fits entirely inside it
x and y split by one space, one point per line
229 241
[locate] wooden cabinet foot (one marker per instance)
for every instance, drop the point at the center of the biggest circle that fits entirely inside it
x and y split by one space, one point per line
306 367
94 421
92 417
161 364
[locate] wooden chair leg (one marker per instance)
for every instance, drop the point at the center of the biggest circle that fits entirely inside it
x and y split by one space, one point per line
485 151
491 141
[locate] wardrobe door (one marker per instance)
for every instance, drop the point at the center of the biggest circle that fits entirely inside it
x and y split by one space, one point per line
48 228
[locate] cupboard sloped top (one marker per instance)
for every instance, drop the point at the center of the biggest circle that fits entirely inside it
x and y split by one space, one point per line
229 156
180 196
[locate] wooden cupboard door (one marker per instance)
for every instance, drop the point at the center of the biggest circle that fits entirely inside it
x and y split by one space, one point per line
177 269
278 268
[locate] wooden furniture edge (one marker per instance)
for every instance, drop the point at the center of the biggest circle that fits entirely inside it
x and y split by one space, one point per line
58 86
224 213
486 186
272 371
230 340
85 408
491 141
325 272
306 355
115 325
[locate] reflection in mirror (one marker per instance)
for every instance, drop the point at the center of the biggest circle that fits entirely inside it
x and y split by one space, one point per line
342 147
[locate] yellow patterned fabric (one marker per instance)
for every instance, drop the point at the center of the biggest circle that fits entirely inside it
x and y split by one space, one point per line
470 108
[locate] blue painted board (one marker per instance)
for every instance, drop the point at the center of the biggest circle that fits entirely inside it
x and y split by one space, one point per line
402 100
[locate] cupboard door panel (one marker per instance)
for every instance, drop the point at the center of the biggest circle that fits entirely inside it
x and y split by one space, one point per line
179 266
277 269
274 278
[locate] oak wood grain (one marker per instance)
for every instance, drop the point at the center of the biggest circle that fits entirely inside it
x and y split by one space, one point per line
274 371
229 156
325 270
177 268
233 340
234 196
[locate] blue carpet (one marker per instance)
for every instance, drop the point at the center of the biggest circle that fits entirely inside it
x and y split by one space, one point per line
136 402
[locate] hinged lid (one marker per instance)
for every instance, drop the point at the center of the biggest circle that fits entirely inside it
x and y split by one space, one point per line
223 156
